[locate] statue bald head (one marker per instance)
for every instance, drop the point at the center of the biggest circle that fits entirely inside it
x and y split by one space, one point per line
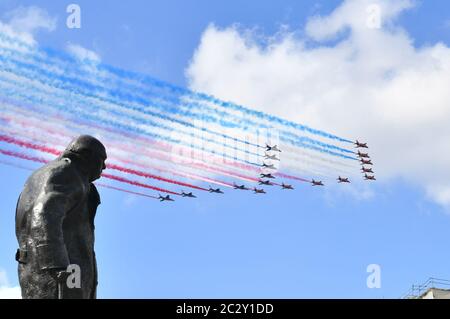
91 152
87 144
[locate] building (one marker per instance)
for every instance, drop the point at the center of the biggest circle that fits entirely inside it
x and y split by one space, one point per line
433 288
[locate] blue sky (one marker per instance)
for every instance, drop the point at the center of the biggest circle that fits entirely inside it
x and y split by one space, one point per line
303 244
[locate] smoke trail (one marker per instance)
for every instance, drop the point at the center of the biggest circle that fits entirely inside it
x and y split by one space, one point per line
178 173
97 184
52 53
95 118
53 151
56 152
316 171
12 140
38 58
151 155
228 173
23 156
283 175
147 175
293 154
109 176
135 183
224 105
239 120
125 190
42 128
67 84
319 143
167 149
252 111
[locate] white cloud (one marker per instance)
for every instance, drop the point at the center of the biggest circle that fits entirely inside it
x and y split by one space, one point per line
22 22
82 53
368 83
6 291
355 15
30 19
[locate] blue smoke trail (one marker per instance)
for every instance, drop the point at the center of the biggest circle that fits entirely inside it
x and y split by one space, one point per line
226 105
63 85
112 93
261 115
97 119
136 119
173 88
178 90
65 56
90 87
124 97
87 115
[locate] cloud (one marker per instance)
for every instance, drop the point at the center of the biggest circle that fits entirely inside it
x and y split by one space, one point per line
6 291
82 53
22 22
87 59
30 19
349 78
358 16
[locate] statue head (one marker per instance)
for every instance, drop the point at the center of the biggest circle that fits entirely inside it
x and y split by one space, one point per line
91 154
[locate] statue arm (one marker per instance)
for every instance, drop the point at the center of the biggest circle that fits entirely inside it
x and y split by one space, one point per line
48 215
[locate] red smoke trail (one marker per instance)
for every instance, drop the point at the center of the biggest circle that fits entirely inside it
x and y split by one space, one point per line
113 177
166 158
28 124
201 165
164 146
125 191
215 169
147 175
125 180
53 151
12 140
163 157
123 146
98 184
293 177
168 149
23 156
178 173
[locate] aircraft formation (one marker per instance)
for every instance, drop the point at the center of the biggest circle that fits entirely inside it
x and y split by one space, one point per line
136 115
268 173
365 161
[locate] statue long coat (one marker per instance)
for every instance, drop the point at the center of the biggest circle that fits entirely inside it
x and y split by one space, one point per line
55 227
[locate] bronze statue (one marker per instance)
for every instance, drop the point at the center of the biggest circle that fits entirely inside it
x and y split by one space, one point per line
55 223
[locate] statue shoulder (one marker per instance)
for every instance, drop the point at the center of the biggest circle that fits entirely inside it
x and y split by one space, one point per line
61 176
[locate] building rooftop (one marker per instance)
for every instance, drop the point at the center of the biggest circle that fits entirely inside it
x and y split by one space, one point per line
432 288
